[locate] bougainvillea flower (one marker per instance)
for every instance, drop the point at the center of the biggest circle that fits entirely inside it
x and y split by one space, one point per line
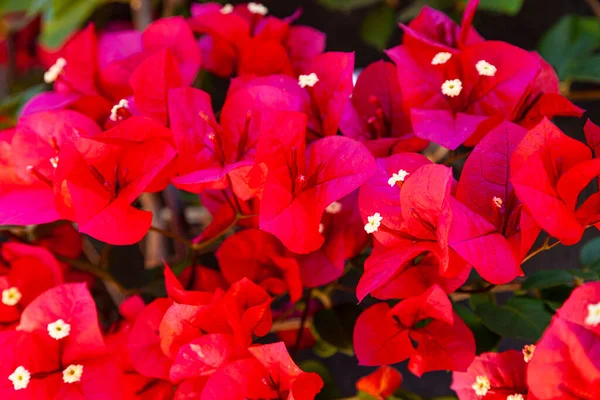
408 193
445 342
26 272
97 180
176 291
300 179
493 376
549 170
374 114
28 163
380 384
270 373
58 350
345 238
490 214
448 100
262 258
243 39
565 363
435 29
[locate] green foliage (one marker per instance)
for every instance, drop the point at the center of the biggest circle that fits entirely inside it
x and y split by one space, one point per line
548 278
485 339
330 389
508 7
520 317
570 45
335 326
590 253
347 5
378 27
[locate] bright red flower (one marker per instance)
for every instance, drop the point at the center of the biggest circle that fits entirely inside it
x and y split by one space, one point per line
301 179
262 258
403 203
490 215
28 163
244 40
381 383
58 350
97 179
494 376
345 238
26 272
385 335
549 170
374 114
566 363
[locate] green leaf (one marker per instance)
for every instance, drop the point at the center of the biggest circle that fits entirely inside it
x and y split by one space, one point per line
336 326
509 7
59 24
548 278
378 27
330 389
568 42
587 69
485 339
7 6
415 8
520 317
590 252
324 349
347 5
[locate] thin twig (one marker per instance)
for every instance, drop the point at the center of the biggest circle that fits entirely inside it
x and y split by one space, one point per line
584 95
307 298
543 247
171 235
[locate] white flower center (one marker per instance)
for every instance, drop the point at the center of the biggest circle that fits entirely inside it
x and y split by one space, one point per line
497 202
73 373
54 162
257 8
20 378
54 71
59 329
399 177
593 317
484 68
481 385
452 88
11 296
308 80
374 221
515 396
528 351
441 58
227 9
321 228
114 111
334 208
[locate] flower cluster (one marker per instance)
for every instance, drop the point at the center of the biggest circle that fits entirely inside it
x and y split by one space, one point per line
307 170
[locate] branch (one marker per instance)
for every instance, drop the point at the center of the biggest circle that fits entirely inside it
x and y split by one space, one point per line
595 6
307 298
584 95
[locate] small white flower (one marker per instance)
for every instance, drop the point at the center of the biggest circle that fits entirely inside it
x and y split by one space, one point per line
399 177
528 351
497 201
481 385
227 9
441 58
59 329
374 223
515 396
11 296
55 70
257 8
321 228
114 111
54 162
334 208
73 373
309 80
485 68
593 317
20 378
452 88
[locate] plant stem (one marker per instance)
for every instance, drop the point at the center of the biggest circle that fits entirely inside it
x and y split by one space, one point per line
307 298
584 95
545 246
595 6
171 235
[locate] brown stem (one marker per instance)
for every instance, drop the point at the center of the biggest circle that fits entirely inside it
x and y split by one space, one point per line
545 246
171 235
307 298
595 6
584 95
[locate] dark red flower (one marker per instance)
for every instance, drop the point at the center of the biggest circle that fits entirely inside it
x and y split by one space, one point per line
385 335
